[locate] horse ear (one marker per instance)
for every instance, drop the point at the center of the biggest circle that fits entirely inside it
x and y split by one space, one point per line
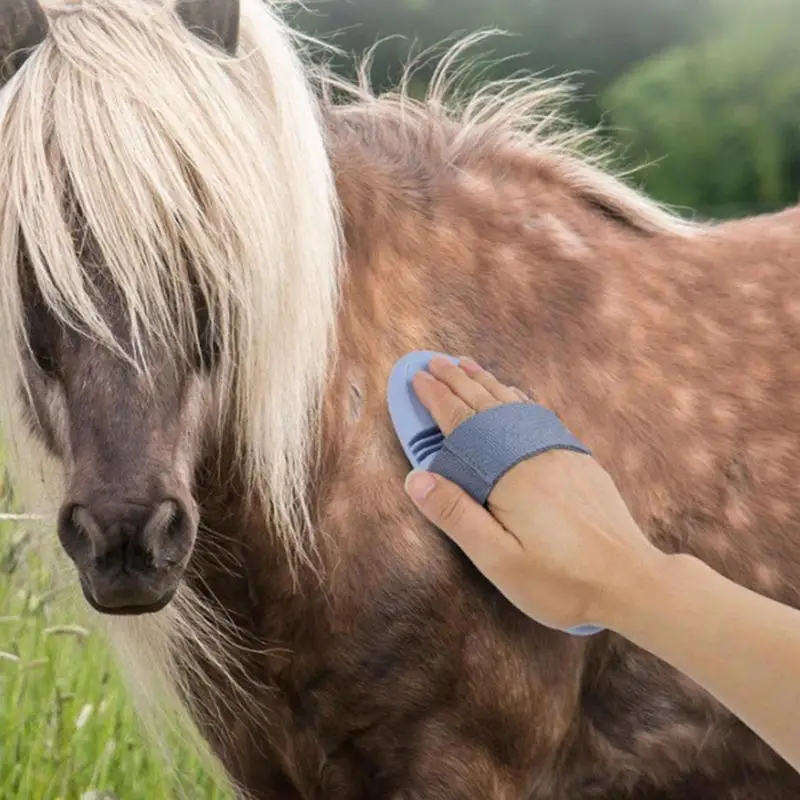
213 21
23 26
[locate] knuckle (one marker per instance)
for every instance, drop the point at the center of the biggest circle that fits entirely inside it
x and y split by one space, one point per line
457 415
451 507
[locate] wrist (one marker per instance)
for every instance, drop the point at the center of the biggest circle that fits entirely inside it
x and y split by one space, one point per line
638 587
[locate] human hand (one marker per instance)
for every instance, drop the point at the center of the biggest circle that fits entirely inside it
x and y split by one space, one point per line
557 539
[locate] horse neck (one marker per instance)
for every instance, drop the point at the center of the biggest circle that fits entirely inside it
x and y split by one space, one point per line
492 254
240 563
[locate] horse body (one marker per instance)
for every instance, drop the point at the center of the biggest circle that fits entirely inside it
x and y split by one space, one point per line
685 400
382 665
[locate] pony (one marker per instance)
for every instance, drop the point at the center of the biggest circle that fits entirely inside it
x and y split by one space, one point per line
212 251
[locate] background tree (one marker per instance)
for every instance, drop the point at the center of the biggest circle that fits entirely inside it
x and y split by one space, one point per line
722 114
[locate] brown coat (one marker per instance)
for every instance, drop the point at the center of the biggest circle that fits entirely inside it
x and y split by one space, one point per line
674 358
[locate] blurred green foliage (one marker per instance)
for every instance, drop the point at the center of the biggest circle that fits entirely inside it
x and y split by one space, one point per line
706 93
723 113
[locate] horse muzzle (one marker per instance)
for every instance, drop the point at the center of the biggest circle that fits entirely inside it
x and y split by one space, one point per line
131 556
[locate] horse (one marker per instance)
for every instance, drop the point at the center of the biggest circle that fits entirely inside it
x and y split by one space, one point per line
213 250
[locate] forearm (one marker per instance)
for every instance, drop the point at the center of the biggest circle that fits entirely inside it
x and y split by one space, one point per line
741 647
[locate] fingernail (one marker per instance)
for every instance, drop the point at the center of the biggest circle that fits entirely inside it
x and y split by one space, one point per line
469 365
419 485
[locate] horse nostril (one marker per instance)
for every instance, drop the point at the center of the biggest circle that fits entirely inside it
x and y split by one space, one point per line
166 527
177 525
77 529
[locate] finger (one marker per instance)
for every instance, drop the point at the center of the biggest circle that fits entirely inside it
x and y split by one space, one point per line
521 395
467 523
461 384
448 410
498 390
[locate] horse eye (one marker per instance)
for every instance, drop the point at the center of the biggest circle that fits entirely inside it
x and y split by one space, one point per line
209 348
42 336
41 332
208 339
45 361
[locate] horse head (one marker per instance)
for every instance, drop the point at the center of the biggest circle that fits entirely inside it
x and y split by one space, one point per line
123 412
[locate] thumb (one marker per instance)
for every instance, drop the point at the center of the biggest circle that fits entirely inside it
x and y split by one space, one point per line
452 510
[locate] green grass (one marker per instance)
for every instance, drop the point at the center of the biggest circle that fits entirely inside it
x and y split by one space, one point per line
67 726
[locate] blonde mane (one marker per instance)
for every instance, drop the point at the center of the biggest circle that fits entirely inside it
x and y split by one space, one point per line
188 167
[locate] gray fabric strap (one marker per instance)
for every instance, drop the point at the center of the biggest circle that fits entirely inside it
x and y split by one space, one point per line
481 450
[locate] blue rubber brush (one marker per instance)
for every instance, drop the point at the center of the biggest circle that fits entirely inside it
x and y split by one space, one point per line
479 451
